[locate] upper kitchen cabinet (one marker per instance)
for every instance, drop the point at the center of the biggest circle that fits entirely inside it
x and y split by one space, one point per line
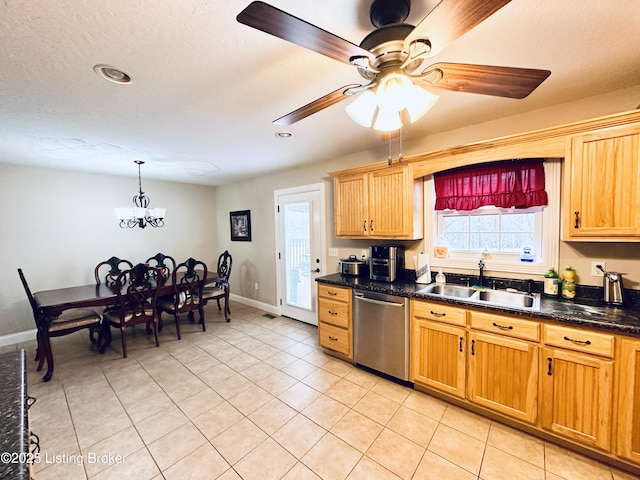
384 202
602 185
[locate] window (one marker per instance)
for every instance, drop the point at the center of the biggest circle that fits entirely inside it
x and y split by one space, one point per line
501 231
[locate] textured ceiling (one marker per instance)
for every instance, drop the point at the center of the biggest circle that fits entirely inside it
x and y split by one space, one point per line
206 88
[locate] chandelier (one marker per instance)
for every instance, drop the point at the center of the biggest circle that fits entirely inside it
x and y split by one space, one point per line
393 97
140 215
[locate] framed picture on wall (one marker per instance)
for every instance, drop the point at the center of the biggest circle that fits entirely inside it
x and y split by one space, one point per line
240 225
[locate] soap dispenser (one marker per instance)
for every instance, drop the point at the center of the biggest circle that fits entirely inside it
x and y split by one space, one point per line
440 278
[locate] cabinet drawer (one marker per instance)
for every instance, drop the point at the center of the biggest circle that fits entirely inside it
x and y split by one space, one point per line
579 340
438 312
334 312
334 338
510 326
336 293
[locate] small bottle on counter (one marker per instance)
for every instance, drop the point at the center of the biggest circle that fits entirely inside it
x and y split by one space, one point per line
551 283
569 283
440 278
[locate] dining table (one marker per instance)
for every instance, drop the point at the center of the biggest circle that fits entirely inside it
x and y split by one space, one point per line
51 303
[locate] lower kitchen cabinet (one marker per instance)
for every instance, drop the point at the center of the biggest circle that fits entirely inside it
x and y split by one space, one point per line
503 375
334 319
628 445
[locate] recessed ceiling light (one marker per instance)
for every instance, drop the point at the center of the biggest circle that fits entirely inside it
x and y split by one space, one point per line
112 74
284 134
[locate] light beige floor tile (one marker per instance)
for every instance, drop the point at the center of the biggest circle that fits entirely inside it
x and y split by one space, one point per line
158 425
299 369
280 360
458 448
413 425
205 462
238 440
337 367
299 396
231 386
367 469
319 358
200 403
499 465
426 405
249 400
272 415
216 374
138 465
346 392
357 430
300 472
517 443
258 371
299 435
56 470
434 467
325 411
620 475
254 467
343 458
362 378
377 407
176 445
108 452
300 350
277 382
321 380
573 466
467 422
391 390
217 420
396 453
242 362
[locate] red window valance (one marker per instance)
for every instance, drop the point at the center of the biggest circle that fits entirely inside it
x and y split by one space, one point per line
510 183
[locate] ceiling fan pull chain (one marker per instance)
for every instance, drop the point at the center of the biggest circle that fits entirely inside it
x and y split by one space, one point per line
400 152
390 159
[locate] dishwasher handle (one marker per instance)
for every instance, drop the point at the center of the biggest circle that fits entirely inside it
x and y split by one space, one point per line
378 302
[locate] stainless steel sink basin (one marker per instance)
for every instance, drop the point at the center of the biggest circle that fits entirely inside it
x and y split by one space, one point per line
456 291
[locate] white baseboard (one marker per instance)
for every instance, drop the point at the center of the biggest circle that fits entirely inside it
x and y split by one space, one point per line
19 337
254 303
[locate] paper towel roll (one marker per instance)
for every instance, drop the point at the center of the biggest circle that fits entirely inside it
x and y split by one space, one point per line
423 268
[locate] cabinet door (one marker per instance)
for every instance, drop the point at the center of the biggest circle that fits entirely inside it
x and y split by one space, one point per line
390 214
351 197
577 394
503 375
603 185
629 401
438 356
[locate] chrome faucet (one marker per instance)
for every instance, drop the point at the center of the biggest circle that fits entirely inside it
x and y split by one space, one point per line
481 267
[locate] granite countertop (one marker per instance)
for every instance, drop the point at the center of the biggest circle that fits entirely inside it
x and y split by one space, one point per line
587 312
14 430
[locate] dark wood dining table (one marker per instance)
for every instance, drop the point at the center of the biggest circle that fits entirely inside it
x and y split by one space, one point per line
51 303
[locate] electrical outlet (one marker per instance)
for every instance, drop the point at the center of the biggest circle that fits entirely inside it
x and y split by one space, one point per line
333 252
595 271
255 286
364 253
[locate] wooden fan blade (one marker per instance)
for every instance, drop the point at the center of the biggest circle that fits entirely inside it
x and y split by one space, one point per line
315 106
283 25
451 19
485 79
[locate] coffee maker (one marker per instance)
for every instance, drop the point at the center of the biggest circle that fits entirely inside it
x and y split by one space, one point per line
385 262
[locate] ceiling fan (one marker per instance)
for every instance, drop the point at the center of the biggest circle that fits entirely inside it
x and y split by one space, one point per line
392 57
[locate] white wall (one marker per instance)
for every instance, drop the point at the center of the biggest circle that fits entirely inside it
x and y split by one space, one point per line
57 225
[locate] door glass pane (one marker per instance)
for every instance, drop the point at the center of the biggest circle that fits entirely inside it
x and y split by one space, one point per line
297 238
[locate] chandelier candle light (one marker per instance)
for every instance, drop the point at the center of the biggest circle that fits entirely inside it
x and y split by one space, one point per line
140 215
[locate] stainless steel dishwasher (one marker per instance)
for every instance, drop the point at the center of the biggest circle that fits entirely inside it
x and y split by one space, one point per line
381 332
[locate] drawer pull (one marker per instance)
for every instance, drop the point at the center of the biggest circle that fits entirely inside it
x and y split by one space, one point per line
333 339
473 347
503 327
460 347
577 223
329 292
332 312
581 342
436 314
550 360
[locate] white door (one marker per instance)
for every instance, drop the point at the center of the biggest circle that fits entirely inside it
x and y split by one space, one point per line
300 227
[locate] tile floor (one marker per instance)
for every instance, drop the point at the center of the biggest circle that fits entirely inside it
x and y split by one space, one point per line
256 399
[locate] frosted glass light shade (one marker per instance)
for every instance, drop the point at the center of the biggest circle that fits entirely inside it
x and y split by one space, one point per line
419 102
139 212
387 120
123 213
363 108
159 212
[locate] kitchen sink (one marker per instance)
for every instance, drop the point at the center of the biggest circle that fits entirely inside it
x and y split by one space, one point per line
491 297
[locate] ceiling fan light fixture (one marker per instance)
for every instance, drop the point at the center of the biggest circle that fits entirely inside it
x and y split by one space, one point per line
363 109
420 102
387 120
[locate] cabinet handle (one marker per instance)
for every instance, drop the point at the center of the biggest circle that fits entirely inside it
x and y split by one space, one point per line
371 225
577 214
364 225
460 347
550 361
329 292
581 342
331 312
473 347
503 327
436 314
333 339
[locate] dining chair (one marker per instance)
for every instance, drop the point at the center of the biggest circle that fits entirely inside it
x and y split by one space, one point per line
116 266
188 280
137 290
68 322
165 263
220 289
